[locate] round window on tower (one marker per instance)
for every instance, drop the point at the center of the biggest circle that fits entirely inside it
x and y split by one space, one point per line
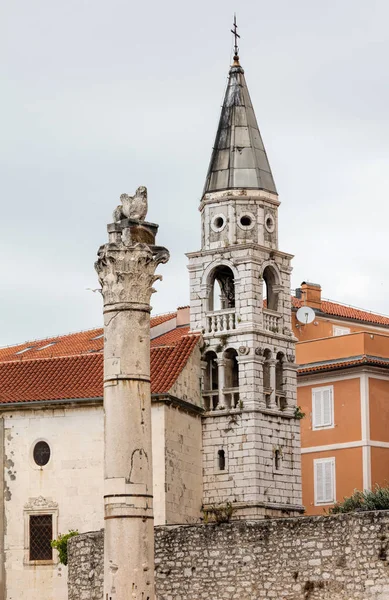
218 223
41 453
246 221
269 223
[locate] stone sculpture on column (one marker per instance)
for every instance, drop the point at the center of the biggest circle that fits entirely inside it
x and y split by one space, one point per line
126 270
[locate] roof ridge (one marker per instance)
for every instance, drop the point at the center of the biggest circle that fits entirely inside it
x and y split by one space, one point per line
49 358
52 337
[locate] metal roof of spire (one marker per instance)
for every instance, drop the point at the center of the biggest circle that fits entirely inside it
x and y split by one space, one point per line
239 157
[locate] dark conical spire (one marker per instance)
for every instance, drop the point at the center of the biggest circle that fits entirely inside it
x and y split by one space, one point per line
239 157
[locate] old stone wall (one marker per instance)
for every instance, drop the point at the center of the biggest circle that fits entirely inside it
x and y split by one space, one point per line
306 558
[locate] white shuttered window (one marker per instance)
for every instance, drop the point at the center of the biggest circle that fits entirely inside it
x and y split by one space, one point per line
323 407
324 478
340 330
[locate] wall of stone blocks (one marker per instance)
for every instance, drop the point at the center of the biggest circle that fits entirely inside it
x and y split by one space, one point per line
183 464
344 557
249 441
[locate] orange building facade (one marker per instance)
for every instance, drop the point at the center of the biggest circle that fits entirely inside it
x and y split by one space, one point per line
343 389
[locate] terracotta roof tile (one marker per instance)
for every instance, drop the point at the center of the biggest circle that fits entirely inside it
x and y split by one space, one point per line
342 364
52 378
82 342
171 337
81 376
347 312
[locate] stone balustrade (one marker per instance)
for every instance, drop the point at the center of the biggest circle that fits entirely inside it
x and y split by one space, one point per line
221 321
271 321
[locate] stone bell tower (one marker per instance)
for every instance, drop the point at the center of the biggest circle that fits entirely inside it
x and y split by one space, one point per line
240 301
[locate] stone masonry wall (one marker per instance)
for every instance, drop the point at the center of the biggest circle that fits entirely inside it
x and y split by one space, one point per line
306 558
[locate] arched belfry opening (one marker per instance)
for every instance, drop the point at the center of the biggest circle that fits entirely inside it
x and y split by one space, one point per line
222 289
211 381
267 388
231 378
280 387
280 371
270 292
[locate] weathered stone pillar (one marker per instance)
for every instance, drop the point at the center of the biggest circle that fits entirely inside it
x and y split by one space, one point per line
126 269
272 368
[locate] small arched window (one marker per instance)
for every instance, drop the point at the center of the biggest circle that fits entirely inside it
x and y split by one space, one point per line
222 292
221 460
280 371
231 369
211 380
266 369
270 293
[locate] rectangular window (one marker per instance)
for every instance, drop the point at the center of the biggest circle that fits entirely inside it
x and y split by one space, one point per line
324 480
322 407
41 534
340 330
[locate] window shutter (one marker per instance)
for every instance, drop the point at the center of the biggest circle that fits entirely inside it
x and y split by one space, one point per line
317 407
328 481
319 480
324 481
326 408
322 407
341 330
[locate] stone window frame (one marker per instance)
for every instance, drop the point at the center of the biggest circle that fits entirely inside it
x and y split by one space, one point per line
33 464
217 470
214 227
281 466
39 506
270 223
251 216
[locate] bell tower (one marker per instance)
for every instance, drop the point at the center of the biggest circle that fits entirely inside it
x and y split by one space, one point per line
240 301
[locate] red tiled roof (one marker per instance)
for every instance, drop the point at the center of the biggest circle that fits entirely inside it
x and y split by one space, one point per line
82 342
158 319
81 376
170 338
168 361
52 378
347 312
352 362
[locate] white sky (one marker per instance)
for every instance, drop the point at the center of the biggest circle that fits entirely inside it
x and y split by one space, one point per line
101 96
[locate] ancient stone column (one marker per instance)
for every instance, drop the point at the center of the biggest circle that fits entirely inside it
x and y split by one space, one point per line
126 270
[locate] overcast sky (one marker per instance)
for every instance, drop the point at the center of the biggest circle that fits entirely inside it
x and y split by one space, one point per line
101 96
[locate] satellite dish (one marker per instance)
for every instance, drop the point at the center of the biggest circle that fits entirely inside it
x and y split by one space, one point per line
305 315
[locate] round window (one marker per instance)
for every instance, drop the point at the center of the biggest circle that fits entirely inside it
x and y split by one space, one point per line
218 223
41 453
269 223
245 221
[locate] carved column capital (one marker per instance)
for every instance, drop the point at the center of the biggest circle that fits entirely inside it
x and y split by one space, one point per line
127 272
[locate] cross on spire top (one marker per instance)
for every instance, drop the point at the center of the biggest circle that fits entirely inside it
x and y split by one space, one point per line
236 36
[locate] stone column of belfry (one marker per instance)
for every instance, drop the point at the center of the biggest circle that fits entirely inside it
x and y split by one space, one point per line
126 270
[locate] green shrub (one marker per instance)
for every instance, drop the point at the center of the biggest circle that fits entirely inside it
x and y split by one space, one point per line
376 499
61 544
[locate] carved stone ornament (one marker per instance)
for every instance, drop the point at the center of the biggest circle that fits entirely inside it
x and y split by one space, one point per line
132 207
259 351
40 503
243 350
291 358
127 273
